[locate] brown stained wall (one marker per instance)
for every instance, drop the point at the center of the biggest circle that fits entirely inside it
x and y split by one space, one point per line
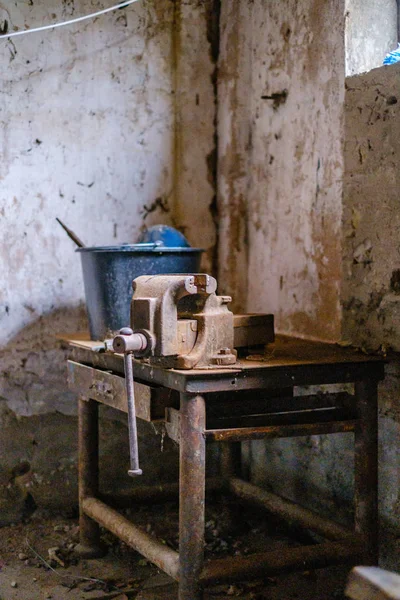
195 38
371 261
280 161
234 85
108 125
317 471
87 128
371 218
112 124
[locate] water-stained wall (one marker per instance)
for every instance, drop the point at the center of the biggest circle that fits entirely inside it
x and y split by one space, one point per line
281 100
109 125
371 260
87 136
91 134
371 219
280 164
309 219
308 190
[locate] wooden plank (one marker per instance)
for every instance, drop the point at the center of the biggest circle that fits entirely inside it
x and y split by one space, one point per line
284 352
249 330
253 330
238 434
372 583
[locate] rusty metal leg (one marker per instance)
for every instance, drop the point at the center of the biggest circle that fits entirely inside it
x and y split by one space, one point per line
230 459
366 466
230 463
88 451
191 496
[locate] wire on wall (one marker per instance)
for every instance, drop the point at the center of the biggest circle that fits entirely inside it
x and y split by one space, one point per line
70 22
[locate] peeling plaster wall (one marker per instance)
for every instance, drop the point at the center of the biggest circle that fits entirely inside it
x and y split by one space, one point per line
317 471
87 134
280 171
280 161
108 125
196 54
371 261
371 219
234 85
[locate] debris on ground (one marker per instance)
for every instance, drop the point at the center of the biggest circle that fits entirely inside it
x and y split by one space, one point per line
53 556
38 559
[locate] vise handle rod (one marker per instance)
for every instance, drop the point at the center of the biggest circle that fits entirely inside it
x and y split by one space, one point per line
127 343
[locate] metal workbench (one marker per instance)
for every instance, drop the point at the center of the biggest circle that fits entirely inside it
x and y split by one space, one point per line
251 400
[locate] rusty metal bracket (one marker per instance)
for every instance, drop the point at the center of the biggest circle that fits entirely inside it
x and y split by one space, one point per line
172 424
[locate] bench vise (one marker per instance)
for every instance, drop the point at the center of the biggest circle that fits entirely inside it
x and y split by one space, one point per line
178 322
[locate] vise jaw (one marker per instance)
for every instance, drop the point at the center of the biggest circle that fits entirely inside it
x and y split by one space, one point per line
168 308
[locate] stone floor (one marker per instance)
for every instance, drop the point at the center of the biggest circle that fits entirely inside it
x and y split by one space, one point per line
37 561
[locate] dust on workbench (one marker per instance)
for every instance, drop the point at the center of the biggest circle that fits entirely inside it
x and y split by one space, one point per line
37 559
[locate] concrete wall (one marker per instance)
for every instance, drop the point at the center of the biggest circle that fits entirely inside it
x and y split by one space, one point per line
97 128
371 32
87 135
317 471
303 216
371 264
280 161
371 293
196 40
280 116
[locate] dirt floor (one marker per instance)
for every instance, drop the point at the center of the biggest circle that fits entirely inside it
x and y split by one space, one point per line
38 562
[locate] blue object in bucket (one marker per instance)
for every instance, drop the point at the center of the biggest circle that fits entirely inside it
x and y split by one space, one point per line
168 236
108 272
392 57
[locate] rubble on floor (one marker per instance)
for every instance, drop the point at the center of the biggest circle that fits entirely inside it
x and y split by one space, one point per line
37 560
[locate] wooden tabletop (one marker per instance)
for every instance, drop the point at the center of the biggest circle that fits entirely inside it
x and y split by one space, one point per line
284 351
289 361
